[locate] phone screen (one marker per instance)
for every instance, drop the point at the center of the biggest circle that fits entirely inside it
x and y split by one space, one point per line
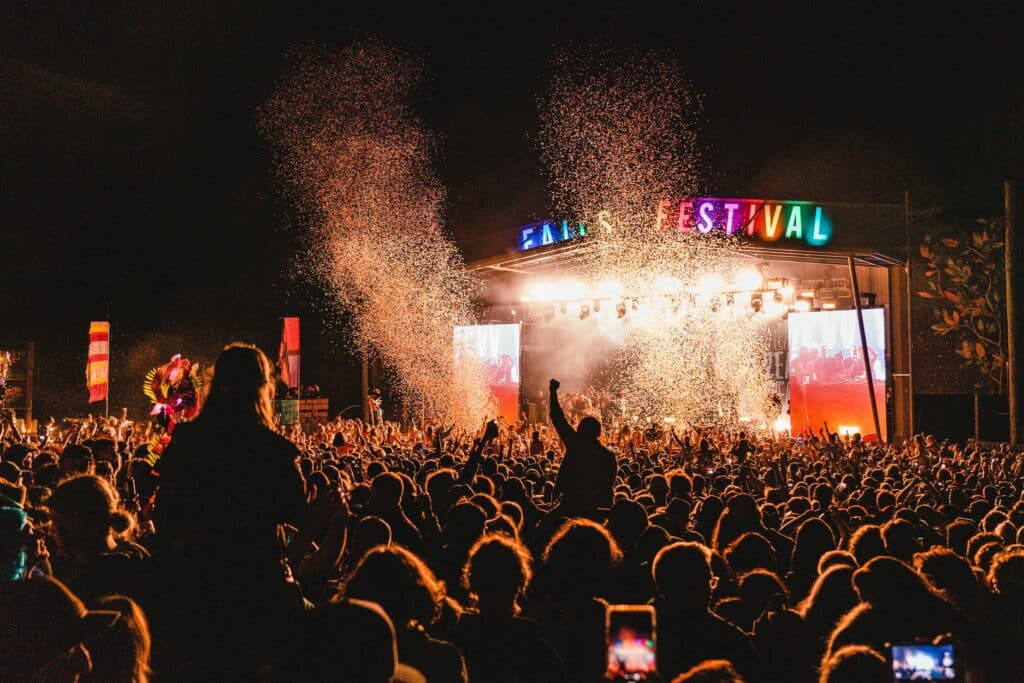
630 635
923 663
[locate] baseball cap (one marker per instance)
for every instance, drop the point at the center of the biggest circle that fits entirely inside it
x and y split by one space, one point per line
40 619
347 640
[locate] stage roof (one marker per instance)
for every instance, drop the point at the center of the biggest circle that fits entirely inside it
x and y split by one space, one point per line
566 257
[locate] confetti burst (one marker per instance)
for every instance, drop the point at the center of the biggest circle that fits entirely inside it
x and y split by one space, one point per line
618 136
356 160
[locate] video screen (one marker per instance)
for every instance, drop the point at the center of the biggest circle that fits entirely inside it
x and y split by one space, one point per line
498 347
631 651
827 376
923 663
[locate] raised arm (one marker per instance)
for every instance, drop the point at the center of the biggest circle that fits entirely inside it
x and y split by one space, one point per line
565 431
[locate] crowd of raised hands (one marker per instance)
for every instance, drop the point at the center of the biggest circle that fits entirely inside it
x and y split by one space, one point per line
351 551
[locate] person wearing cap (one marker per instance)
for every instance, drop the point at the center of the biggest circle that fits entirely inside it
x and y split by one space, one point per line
343 640
45 631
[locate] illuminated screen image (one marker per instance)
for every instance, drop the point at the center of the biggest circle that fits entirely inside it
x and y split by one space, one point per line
827 378
498 347
923 663
631 649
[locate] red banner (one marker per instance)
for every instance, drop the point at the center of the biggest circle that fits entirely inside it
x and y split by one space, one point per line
97 368
288 354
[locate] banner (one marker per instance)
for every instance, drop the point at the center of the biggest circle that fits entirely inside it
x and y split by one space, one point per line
96 370
288 355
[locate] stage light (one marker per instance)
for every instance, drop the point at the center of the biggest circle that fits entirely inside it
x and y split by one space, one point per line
807 294
777 297
828 306
730 299
636 304
525 299
774 308
748 278
848 430
584 312
775 283
597 306
756 303
787 291
802 306
620 309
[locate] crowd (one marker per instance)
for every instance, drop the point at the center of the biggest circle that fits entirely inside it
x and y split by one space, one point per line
372 552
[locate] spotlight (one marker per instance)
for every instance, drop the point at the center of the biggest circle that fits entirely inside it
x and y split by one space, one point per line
807 294
802 306
730 299
584 312
828 306
777 297
597 306
620 309
755 303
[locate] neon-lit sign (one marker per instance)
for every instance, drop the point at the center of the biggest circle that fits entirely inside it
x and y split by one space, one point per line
544 233
761 219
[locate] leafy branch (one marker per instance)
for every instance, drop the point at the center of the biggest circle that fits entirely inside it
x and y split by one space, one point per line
965 282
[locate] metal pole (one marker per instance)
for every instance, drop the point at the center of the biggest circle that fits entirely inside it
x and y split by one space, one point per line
110 335
1009 252
29 381
366 389
864 347
910 312
977 417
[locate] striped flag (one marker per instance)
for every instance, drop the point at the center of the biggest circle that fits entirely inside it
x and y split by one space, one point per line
96 372
288 355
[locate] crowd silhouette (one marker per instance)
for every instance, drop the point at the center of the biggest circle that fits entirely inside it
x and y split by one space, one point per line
376 552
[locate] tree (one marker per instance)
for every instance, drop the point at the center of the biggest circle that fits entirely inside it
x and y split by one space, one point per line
965 280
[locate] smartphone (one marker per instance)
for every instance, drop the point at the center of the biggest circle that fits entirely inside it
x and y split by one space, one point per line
630 636
922 662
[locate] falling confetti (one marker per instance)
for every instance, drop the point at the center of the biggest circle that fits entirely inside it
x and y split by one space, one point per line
617 136
356 160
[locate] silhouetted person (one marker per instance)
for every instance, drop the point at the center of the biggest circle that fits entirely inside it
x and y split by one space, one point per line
587 474
227 482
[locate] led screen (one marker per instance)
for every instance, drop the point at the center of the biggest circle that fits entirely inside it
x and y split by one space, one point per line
498 347
827 376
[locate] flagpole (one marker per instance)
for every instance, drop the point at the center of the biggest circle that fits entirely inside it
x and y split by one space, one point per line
110 335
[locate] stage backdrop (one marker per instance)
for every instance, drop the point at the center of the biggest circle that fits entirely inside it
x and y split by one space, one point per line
498 347
827 380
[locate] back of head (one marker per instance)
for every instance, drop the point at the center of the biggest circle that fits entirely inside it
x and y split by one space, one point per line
711 671
682 572
579 557
242 389
889 583
345 639
398 581
855 664
498 571
589 428
87 505
122 653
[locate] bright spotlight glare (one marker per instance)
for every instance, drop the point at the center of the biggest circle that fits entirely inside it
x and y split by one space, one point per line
542 291
666 284
787 291
573 290
773 308
748 279
802 306
610 289
709 285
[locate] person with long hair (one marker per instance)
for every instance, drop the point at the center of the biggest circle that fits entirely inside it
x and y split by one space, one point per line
402 584
227 484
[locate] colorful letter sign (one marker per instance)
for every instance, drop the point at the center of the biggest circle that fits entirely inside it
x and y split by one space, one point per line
761 219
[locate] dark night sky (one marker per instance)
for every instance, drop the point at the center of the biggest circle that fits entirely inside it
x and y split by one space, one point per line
134 183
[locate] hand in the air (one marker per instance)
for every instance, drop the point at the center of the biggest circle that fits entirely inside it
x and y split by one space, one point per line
491 431
554 384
